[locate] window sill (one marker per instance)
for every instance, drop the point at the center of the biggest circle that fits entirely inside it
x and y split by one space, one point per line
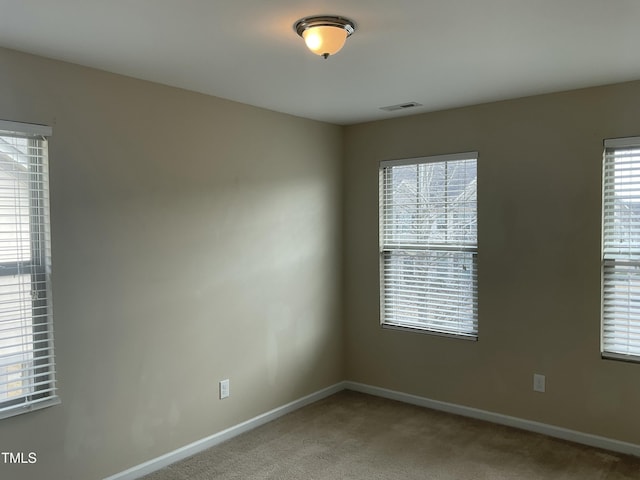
14 410
620 357
425 331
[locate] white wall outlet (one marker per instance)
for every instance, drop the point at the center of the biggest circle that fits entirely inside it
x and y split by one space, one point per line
224 388
538 383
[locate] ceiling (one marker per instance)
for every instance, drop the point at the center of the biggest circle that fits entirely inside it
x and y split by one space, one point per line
440 53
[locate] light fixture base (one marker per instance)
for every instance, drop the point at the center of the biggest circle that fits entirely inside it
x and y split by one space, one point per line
324 21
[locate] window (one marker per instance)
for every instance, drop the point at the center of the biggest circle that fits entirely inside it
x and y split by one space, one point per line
26 343
621 250
428 244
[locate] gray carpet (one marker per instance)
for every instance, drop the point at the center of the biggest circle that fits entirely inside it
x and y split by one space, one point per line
355 436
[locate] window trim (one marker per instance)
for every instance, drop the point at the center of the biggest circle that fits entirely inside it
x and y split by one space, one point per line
607 263
44 392
471 336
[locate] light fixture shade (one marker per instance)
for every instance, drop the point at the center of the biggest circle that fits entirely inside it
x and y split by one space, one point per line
324 35
325 40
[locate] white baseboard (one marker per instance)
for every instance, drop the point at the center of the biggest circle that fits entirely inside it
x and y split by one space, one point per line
208 442
167 459
550 430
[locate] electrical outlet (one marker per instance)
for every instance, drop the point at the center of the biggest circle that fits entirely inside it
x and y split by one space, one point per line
538 383
224 388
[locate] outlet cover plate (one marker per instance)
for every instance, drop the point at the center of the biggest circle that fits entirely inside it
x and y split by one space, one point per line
224 388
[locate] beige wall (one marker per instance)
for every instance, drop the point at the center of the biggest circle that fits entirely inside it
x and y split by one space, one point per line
539 173
194 239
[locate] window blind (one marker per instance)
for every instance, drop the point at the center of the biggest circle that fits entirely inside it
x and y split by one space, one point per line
428 244
621 249
27 366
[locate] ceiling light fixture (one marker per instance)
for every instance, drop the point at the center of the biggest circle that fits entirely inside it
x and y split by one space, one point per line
324 34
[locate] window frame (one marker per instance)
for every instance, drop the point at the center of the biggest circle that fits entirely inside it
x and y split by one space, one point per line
385 250
614 264
40 381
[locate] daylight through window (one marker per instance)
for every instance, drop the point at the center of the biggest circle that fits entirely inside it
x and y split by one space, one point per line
428 244
26 331
621 250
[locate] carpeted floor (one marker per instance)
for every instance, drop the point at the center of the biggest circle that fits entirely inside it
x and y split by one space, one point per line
355 436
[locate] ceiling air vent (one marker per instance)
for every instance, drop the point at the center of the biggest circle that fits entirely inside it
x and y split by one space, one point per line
401 106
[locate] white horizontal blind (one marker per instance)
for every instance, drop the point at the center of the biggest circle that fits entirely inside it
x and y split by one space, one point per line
428 244
621 250
27 364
